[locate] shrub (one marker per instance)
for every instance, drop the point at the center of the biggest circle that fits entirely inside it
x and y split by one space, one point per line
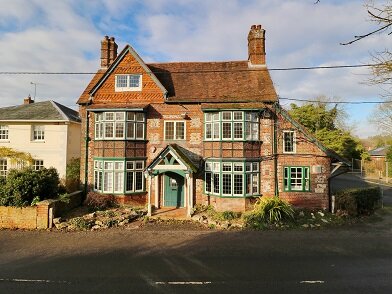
230 215
22 186
96 201
269 210
358 201
80 223
72 178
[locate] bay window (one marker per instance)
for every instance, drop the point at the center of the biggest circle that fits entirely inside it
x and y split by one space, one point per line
118 176
231 126
119 125
230 179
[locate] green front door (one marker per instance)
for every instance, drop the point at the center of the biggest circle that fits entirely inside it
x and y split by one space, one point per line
174 190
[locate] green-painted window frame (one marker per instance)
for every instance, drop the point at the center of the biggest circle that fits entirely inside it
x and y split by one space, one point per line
232 121
100 171
305 179
219 172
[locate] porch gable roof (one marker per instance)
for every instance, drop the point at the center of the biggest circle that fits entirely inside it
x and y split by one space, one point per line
178 153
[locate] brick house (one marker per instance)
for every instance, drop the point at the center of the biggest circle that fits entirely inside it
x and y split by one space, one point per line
185 133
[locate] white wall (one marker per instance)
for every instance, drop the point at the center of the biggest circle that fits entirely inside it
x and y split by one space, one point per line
53 150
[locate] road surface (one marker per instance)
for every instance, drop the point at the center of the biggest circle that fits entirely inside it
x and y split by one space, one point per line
349 180
356 259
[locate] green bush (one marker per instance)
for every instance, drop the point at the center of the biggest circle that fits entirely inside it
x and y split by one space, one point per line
270 211
23 185
358 201
230 215
72 178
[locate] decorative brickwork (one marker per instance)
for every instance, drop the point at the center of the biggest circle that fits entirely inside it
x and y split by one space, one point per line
178 94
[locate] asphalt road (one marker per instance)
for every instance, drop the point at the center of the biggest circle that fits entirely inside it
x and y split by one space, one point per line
357 259
348 180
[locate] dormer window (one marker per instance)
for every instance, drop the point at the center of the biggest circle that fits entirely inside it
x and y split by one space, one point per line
131 82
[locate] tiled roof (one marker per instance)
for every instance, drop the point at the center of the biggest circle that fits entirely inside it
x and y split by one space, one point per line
46 110
214 81
230 81
380 151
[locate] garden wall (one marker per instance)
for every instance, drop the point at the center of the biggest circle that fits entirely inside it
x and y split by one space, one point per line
39 216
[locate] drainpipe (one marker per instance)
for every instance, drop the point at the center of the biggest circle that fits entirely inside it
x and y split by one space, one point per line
87 139
275 150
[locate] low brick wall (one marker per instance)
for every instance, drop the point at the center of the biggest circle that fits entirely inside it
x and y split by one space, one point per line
16 217
39 216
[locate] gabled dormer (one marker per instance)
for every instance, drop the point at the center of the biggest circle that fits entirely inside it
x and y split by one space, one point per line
124 78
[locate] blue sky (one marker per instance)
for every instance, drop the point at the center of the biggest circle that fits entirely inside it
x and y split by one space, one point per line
64 36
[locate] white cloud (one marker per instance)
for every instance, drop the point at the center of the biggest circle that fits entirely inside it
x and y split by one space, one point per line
40 35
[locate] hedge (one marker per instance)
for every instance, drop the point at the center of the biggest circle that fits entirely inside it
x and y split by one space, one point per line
358 201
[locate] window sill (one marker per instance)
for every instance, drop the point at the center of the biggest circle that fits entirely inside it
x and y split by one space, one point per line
37 141
119 193
231 140
5 141
128 89
119 139
236 196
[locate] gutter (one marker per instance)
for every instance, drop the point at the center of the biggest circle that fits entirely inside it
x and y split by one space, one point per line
87 139
275 150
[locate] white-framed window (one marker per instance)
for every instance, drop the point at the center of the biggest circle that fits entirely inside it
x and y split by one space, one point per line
38 164
174 130
289 144
231 126
251 126
131 82
3 168
252 172
119 177
38 133
296 178
119 125
4 132
227 179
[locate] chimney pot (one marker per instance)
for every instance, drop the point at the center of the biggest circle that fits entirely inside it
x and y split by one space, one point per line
28 100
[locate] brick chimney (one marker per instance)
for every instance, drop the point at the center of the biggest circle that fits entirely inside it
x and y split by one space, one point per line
28 100
256 46
108 51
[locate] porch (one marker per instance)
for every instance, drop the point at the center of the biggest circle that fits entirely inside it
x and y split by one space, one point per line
170 184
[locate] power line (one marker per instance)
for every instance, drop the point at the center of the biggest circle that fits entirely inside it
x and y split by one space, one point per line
336 102
198 71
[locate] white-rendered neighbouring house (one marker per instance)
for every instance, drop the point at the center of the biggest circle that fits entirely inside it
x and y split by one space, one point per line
47 130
